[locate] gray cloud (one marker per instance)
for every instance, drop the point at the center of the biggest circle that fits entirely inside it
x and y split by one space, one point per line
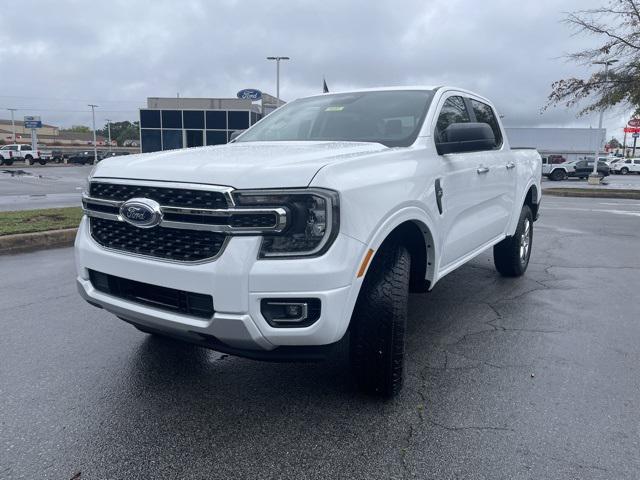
117 53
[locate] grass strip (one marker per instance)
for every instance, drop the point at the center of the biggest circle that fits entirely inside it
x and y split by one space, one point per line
29 221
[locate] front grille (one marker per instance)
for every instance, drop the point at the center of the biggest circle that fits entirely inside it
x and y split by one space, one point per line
167 243
170 197
180 301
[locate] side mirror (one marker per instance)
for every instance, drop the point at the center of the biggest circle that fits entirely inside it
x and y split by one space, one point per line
235 134
466 137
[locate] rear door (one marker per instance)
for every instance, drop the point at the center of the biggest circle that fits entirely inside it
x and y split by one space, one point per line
504 171
473 192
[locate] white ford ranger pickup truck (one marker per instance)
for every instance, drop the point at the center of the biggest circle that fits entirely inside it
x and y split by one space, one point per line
307 232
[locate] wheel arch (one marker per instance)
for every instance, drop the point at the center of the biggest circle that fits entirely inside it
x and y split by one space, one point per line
531 198
413 228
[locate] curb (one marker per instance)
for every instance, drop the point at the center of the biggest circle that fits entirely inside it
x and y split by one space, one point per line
29 242
593 193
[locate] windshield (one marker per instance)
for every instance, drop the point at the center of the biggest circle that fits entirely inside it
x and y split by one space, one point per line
392 118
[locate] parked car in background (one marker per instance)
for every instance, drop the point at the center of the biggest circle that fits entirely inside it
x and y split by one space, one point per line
556 171
612 161
23 152
106 155
83 157
583 168
628 165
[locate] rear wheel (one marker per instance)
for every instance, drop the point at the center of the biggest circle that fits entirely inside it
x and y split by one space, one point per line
379 320
624 170
558 174
511 255
42 161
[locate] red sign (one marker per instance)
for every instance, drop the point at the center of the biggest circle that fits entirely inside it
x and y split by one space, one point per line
631 129
634 122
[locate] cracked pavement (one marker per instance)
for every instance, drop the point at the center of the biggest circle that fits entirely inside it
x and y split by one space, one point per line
535 377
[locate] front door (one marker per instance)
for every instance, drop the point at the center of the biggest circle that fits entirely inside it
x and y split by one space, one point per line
475 190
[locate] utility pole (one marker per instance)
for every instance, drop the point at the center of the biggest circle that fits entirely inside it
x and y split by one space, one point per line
594 178
109 133
95 147
13 123
277 59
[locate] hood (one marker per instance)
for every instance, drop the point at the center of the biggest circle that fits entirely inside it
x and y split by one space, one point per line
238 165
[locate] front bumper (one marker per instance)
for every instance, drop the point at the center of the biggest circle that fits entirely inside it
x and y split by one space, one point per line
237 281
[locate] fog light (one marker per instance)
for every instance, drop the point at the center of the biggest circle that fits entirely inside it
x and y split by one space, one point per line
290 312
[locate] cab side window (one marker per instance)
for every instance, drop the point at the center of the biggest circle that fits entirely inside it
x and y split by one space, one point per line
484 114
454 110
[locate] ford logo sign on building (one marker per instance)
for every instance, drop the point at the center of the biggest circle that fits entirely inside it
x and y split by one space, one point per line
250 94
141 212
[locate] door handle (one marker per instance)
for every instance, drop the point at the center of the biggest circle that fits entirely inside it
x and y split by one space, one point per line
482 169
511 165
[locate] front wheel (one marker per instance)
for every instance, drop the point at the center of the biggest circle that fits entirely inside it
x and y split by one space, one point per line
624 170
511 255
558 174
42 161
379 320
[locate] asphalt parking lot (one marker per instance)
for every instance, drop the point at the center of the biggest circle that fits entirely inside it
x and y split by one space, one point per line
630 181
41 187
535 377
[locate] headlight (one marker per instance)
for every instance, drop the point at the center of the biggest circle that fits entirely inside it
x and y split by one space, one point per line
312 220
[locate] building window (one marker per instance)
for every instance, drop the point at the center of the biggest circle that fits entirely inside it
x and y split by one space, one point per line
171 119
217 119
216 138
171 139
255 117
149 118
151 140
193 137
238 120
193 119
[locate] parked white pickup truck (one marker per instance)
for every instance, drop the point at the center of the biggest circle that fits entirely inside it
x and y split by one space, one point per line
23 152
310 230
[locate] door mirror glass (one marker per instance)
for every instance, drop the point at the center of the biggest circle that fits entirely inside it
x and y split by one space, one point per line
466 137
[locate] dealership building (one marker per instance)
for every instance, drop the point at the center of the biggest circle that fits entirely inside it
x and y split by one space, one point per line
170 123
570 143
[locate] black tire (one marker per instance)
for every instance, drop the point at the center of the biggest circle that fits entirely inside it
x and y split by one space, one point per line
511 255
558 174
624 170
379 320
42 161
8 162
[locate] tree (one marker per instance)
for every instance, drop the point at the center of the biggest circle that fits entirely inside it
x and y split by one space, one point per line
121 131
77 129
618 26
614 143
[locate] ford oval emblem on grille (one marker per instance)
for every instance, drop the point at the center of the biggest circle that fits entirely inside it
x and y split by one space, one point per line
141 212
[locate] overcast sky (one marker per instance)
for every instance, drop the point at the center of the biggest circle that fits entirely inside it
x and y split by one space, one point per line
55 57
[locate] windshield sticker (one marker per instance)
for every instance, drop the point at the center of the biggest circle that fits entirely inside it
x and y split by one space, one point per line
334 108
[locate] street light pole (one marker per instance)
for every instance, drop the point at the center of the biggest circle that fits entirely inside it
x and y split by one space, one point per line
594 178
109 133
277 59
13 123
95 147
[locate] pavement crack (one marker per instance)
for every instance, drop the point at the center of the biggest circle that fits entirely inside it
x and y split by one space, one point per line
480 428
